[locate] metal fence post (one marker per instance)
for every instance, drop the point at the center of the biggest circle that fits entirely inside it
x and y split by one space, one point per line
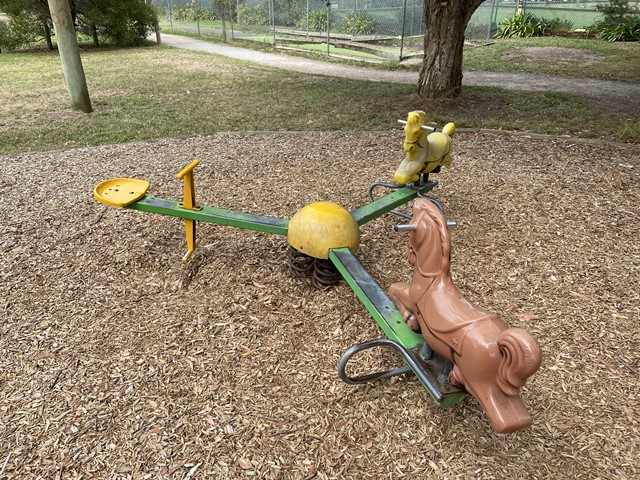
328 23
272 14
490 27
404 21
198 16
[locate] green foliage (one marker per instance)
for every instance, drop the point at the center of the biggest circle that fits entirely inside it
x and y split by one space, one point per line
191 13
26 23
556 25
627 31
253 16
32 8
521 25
317 21
7 41
358 23
183 13
287 12
20 32
616 12
120 22
621 22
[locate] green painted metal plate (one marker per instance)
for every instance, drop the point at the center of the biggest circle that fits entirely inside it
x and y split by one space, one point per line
385 204
375 300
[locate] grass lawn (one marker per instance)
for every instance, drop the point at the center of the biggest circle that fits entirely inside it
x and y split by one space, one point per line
173 92
574 57
577 57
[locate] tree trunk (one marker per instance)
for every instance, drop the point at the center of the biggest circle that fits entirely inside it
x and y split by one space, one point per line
156 27
94 35
224 23
70 55
47 34
444 24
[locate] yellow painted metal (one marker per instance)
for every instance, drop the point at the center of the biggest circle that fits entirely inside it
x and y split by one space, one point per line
186 174
192 243
424 152
321 226
189 203
120 192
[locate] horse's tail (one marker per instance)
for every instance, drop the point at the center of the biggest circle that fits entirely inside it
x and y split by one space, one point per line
449 129
521 357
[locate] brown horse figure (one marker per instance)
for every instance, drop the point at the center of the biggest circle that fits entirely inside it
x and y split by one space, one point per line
490 360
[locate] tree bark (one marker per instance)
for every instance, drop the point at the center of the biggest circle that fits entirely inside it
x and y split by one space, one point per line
47 34
224 22
94 35
444 23
156 27
70 55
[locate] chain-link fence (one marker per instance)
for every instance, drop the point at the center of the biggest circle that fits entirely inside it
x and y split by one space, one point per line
384 28
568 14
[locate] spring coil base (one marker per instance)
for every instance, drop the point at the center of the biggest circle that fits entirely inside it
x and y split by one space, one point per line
299 263
323 273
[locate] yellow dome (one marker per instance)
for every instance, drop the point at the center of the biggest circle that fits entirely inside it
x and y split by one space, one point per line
321 226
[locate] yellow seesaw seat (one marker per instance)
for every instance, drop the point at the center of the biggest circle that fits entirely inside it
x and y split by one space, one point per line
120 192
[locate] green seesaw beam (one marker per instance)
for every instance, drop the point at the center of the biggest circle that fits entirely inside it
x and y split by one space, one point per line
208 214
385 204
263 223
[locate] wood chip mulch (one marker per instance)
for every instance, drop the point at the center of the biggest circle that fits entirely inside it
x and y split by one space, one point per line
120 362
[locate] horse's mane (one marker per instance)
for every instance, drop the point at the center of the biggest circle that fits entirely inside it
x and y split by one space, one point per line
429 216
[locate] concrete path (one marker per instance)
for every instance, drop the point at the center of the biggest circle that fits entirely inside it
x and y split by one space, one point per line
626 91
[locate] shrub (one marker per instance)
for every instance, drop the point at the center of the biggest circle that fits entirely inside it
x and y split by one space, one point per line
616 12
253 16
317 21
191 14
205 14
521 25
621 22
628 31
19 32
556 25
358 23
120 22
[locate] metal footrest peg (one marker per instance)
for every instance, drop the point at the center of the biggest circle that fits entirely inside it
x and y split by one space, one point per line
430 368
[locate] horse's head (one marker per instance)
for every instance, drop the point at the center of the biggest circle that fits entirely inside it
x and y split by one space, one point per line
415 143
414 134
430 243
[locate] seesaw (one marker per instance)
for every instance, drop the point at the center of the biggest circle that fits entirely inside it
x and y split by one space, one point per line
466 348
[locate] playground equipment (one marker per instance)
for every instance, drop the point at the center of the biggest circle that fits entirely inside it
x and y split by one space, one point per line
324 238
489 359
426 152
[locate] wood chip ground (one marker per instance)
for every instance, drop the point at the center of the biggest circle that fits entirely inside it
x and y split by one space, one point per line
120 362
